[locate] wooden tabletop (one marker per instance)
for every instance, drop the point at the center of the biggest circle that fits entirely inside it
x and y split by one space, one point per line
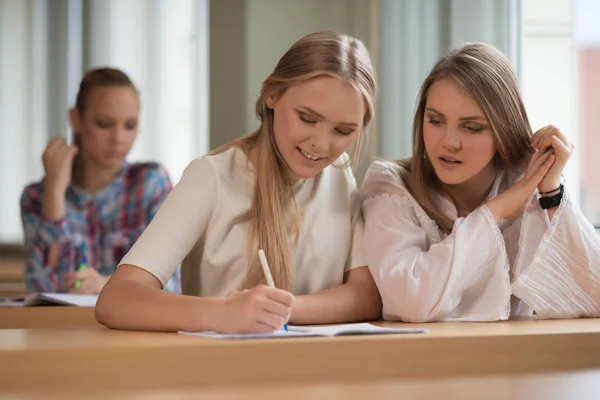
549 386
47 317
11 269
125 361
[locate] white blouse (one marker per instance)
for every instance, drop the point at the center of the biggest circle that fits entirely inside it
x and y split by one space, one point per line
481 271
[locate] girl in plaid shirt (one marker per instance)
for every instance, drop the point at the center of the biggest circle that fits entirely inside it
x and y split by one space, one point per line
91 205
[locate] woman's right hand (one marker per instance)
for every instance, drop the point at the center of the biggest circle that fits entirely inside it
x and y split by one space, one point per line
58 163
511 202
259 310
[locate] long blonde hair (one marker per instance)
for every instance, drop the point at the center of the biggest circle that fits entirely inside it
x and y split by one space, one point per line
486 75
271 225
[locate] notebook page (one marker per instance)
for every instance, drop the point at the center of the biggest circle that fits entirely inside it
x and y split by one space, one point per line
277 334
307 331
81 300
353 329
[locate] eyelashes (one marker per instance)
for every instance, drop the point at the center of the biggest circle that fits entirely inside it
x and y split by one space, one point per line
108 125
471 128
306 119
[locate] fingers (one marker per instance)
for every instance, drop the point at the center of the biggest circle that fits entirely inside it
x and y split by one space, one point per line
277 308
536 160
274 306
84 276
541 136
543 169
260 309
85 288
270 320
59 147
88 283
69 280
54 144
539 165
557 145
71 277
66 152
281 296
260 327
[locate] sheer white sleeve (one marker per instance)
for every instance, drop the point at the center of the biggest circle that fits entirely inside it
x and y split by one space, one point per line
422 277
558 267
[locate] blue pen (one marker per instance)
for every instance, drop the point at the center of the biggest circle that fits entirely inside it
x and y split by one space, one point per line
267 271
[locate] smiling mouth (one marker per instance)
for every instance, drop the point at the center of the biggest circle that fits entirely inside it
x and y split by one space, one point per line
450 161
309 156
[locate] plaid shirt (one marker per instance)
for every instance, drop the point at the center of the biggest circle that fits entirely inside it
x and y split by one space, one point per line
102 227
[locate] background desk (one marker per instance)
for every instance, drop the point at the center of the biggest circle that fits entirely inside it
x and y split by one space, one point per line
121 362
47 317
11 275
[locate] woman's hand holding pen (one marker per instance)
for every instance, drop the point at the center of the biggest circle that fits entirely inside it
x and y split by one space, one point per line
91 281
58 163
259 310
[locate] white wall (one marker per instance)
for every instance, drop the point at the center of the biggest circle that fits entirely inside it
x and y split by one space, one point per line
23 100
272 26
549 72
249 36
163 46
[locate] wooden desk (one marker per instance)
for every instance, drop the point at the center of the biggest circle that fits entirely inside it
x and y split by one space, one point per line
11 269
11 276
551 386
124 362
47 317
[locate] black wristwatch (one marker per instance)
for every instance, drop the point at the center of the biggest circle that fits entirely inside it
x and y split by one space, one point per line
552 201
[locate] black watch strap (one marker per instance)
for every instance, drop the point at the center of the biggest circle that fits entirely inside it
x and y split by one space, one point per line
552 201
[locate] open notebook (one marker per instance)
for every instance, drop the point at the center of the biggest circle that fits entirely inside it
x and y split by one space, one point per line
51 299
306 331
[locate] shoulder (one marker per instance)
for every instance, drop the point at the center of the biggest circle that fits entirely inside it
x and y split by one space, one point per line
385 177
148 172
207 170
340 172
227 160
32 192
210 166
386 192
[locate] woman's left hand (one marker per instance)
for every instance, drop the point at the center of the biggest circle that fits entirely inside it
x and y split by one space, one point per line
550 138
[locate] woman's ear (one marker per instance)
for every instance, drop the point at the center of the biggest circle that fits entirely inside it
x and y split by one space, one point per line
271 101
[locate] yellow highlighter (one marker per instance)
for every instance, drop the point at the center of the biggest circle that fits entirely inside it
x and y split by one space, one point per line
82 265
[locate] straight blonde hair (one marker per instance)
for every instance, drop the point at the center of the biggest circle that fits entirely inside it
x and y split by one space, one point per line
274 217
486 75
